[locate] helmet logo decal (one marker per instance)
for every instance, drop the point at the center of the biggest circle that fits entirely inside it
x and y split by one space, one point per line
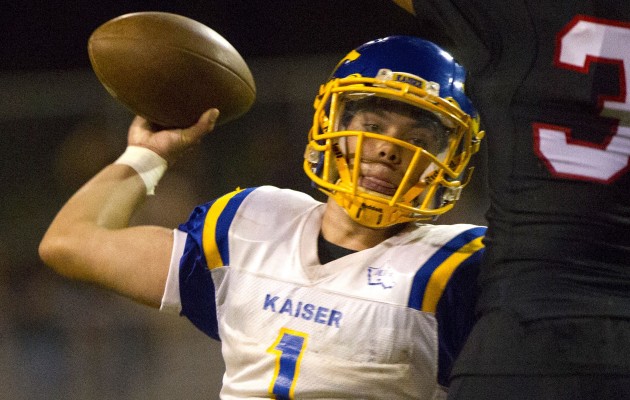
353 55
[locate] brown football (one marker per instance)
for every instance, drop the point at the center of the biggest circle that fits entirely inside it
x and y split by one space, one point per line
170 69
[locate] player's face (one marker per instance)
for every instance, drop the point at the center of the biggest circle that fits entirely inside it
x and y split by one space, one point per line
384 164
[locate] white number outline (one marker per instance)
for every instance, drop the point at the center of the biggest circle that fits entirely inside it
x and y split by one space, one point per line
578 45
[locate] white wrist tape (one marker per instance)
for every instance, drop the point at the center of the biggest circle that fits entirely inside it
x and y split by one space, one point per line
147 163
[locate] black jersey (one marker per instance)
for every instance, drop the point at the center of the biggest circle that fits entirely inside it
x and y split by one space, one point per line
550 79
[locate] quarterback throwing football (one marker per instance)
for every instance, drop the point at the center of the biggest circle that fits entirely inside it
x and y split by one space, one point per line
359 297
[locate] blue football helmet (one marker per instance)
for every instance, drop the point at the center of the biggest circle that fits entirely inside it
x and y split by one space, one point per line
418 80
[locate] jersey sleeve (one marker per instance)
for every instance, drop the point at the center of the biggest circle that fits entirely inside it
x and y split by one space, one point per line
171 300
196 288
446 285
206 248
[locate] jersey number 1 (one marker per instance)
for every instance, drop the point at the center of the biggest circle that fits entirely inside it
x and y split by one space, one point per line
288 349
583 41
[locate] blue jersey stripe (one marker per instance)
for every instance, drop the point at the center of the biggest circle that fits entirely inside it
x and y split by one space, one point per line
195 277
423 276
225 221
217 224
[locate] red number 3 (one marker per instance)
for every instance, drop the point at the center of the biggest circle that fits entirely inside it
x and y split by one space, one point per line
583 41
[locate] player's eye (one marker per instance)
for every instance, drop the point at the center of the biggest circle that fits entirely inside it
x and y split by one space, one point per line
418 141
370 127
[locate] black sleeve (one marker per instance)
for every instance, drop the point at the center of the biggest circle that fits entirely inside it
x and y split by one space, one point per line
459 28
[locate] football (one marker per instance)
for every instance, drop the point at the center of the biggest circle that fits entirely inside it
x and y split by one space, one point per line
169 68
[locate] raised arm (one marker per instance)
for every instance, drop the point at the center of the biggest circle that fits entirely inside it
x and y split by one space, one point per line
89 239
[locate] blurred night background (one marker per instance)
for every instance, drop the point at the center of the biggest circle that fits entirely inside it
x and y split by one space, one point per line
58 126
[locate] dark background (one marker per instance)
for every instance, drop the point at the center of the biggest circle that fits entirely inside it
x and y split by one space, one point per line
42 35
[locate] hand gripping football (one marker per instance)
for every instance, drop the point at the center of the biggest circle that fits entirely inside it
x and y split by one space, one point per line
169 69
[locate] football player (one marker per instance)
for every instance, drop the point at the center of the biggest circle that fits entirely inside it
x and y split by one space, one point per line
551 81
362 296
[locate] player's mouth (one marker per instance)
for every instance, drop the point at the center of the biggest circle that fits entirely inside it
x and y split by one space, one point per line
379 177
378 185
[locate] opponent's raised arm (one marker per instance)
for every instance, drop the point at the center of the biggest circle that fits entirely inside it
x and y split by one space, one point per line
90 239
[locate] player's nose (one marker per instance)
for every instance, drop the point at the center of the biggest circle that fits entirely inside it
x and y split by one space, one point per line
387 151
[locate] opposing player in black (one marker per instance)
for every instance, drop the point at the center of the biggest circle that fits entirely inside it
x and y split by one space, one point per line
551 81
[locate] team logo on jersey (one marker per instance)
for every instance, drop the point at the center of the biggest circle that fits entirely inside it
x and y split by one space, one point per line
383 276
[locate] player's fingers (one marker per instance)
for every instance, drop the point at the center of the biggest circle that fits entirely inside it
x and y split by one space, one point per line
209 118
205 124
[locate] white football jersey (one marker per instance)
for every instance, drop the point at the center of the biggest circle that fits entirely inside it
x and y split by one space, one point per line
245 270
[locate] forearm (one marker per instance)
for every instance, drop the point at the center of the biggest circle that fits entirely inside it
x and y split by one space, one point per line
107 201
90 240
